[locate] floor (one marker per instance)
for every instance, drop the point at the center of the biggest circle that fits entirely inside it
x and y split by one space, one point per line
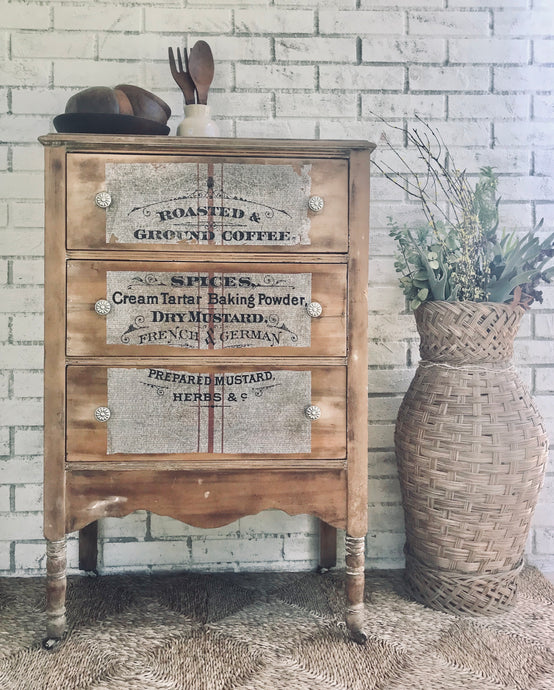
269 630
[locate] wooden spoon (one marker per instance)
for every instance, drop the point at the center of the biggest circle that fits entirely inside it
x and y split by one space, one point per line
201 69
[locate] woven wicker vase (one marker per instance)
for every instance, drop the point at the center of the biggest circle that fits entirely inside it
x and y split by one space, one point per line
471 448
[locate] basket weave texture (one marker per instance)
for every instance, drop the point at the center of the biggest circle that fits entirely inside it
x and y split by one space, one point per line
471 448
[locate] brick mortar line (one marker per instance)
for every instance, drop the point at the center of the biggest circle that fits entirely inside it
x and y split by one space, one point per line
359 97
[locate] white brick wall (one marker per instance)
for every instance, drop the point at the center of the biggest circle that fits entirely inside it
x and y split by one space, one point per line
480 70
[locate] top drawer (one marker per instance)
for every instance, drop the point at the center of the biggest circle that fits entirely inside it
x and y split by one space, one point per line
193 203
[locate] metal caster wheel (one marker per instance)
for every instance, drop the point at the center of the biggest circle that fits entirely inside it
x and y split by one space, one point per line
50 643
359 636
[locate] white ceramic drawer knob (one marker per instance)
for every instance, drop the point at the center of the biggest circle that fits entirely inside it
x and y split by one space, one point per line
313 412
315 204
102 414
103 199
102 307
314 309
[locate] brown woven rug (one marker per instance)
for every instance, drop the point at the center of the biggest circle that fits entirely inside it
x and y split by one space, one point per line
269 631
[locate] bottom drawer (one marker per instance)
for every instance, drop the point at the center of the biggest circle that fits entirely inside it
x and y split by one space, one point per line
179 413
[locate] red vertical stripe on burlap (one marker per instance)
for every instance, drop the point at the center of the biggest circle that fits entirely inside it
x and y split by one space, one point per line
199 323
211 409
222 322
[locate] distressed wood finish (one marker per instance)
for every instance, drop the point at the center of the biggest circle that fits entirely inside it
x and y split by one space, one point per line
357 442
87 438
54 397
357 439
202 146
86 223
212 498
56 585
54 349
355 580
83 483
254 257
86 330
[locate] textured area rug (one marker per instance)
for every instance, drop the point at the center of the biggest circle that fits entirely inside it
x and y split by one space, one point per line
269 632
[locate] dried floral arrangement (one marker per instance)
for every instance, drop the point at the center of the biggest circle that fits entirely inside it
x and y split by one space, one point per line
459 253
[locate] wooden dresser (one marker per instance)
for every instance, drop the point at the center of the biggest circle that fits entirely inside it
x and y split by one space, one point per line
206 339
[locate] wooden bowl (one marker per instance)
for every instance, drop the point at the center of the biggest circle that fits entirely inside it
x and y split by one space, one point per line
96 99
125 107
146 104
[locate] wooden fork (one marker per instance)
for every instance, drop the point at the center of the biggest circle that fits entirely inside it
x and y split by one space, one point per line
182 77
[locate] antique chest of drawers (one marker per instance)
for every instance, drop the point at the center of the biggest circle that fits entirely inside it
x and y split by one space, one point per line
206 338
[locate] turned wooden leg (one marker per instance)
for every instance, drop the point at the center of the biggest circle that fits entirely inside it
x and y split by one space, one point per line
55 592
355 581
88 548
327 546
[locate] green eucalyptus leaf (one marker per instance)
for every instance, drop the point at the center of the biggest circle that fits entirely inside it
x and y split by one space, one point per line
460 253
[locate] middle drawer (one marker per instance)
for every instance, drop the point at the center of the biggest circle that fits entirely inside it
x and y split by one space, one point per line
147 308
